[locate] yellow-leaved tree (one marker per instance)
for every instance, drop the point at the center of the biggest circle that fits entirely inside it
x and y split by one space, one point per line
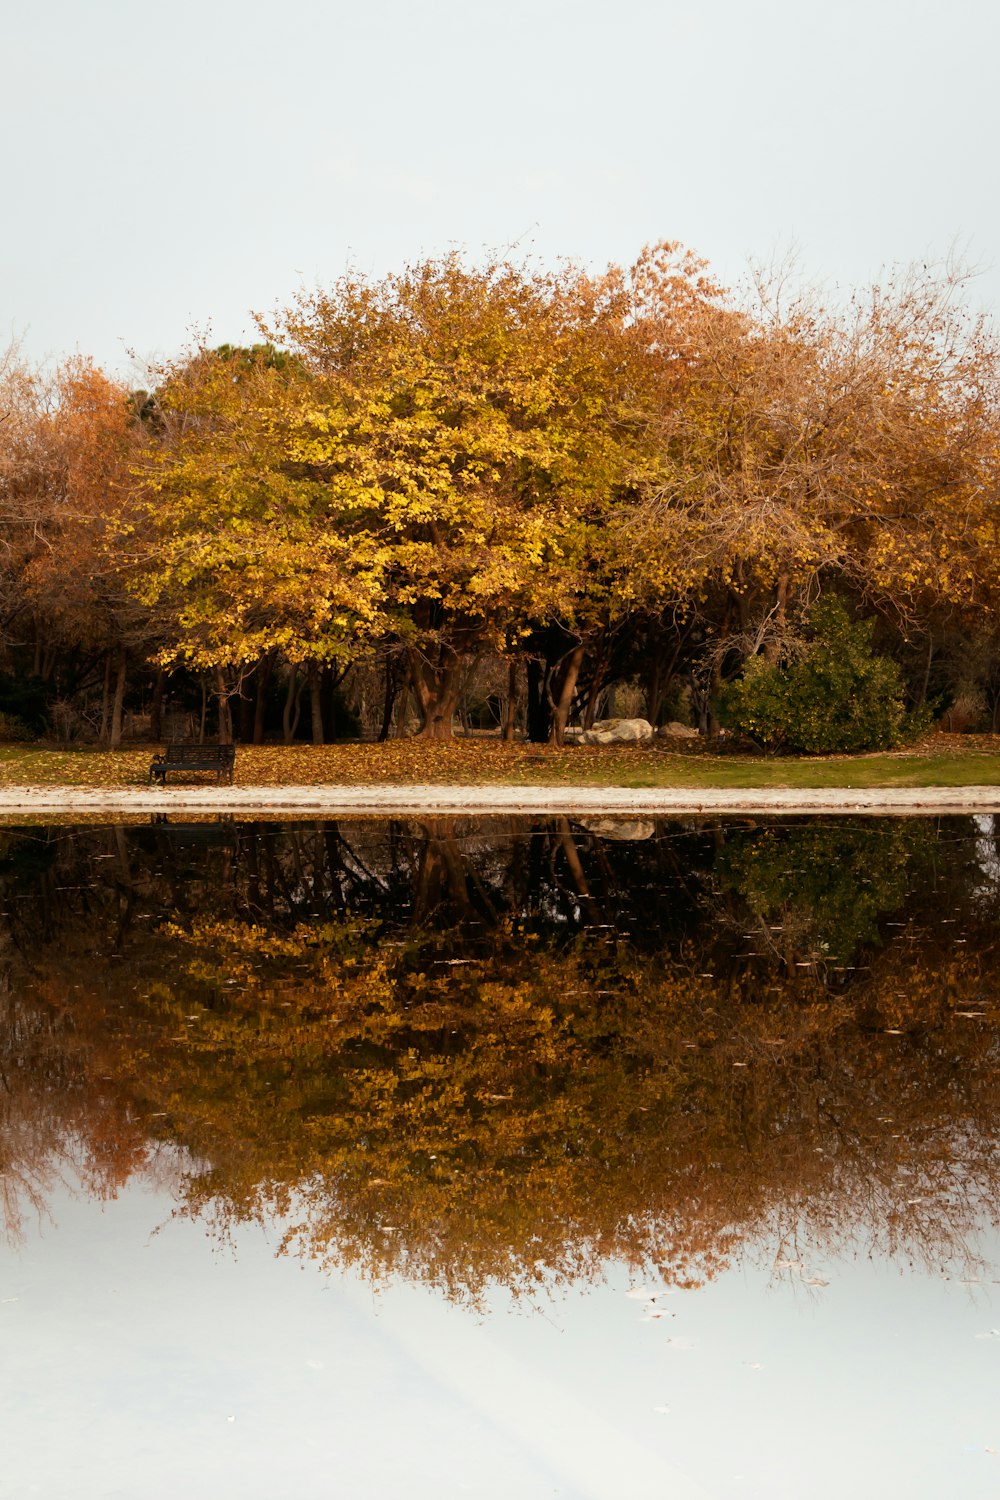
479 427
439 462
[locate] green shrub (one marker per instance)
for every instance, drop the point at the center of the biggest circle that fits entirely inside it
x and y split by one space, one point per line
837 695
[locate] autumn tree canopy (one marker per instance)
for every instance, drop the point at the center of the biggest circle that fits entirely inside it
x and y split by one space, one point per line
460 484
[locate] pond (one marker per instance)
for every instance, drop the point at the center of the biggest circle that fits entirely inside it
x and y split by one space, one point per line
502 1158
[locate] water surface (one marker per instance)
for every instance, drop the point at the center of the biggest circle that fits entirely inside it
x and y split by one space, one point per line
500 1158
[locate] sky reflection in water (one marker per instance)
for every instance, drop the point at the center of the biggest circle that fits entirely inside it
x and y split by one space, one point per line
509 1077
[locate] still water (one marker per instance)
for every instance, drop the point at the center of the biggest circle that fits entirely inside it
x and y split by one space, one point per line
500 1158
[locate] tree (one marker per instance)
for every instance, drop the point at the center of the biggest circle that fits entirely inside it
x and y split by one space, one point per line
70 583
64 450
27 468
850 444
224 545
474 427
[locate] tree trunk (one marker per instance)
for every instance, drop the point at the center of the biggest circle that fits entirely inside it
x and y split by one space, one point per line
389 700
102 733
403 707
293 704
595 687
437 688
329 683
156 707
116 711
772 646
315 701
264 669
589 717
699 701
510 718
661 676
925 683
243 726
225 717
654 687
570 671
782 599
539 714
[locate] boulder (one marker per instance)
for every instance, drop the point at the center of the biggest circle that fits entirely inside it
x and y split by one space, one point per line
677 731
617 732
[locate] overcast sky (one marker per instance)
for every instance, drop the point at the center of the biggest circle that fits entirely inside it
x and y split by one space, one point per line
168 168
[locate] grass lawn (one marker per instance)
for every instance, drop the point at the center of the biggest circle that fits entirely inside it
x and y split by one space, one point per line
943 760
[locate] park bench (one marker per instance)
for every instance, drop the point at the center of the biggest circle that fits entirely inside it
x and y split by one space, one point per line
185 757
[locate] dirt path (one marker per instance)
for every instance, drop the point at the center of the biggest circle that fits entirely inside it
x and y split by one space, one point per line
410 801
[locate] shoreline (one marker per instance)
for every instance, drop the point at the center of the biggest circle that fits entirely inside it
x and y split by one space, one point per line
497 799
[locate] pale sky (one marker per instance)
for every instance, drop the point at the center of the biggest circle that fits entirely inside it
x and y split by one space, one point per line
167 168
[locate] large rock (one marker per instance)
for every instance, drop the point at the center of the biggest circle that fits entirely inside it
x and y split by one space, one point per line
677 731
617 732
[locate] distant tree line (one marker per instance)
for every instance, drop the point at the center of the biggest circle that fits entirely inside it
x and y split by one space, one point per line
500 495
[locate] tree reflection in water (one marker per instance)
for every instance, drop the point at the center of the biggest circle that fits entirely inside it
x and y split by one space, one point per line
470 1053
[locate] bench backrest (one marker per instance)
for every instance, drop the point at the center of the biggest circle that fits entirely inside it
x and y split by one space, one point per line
185 754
